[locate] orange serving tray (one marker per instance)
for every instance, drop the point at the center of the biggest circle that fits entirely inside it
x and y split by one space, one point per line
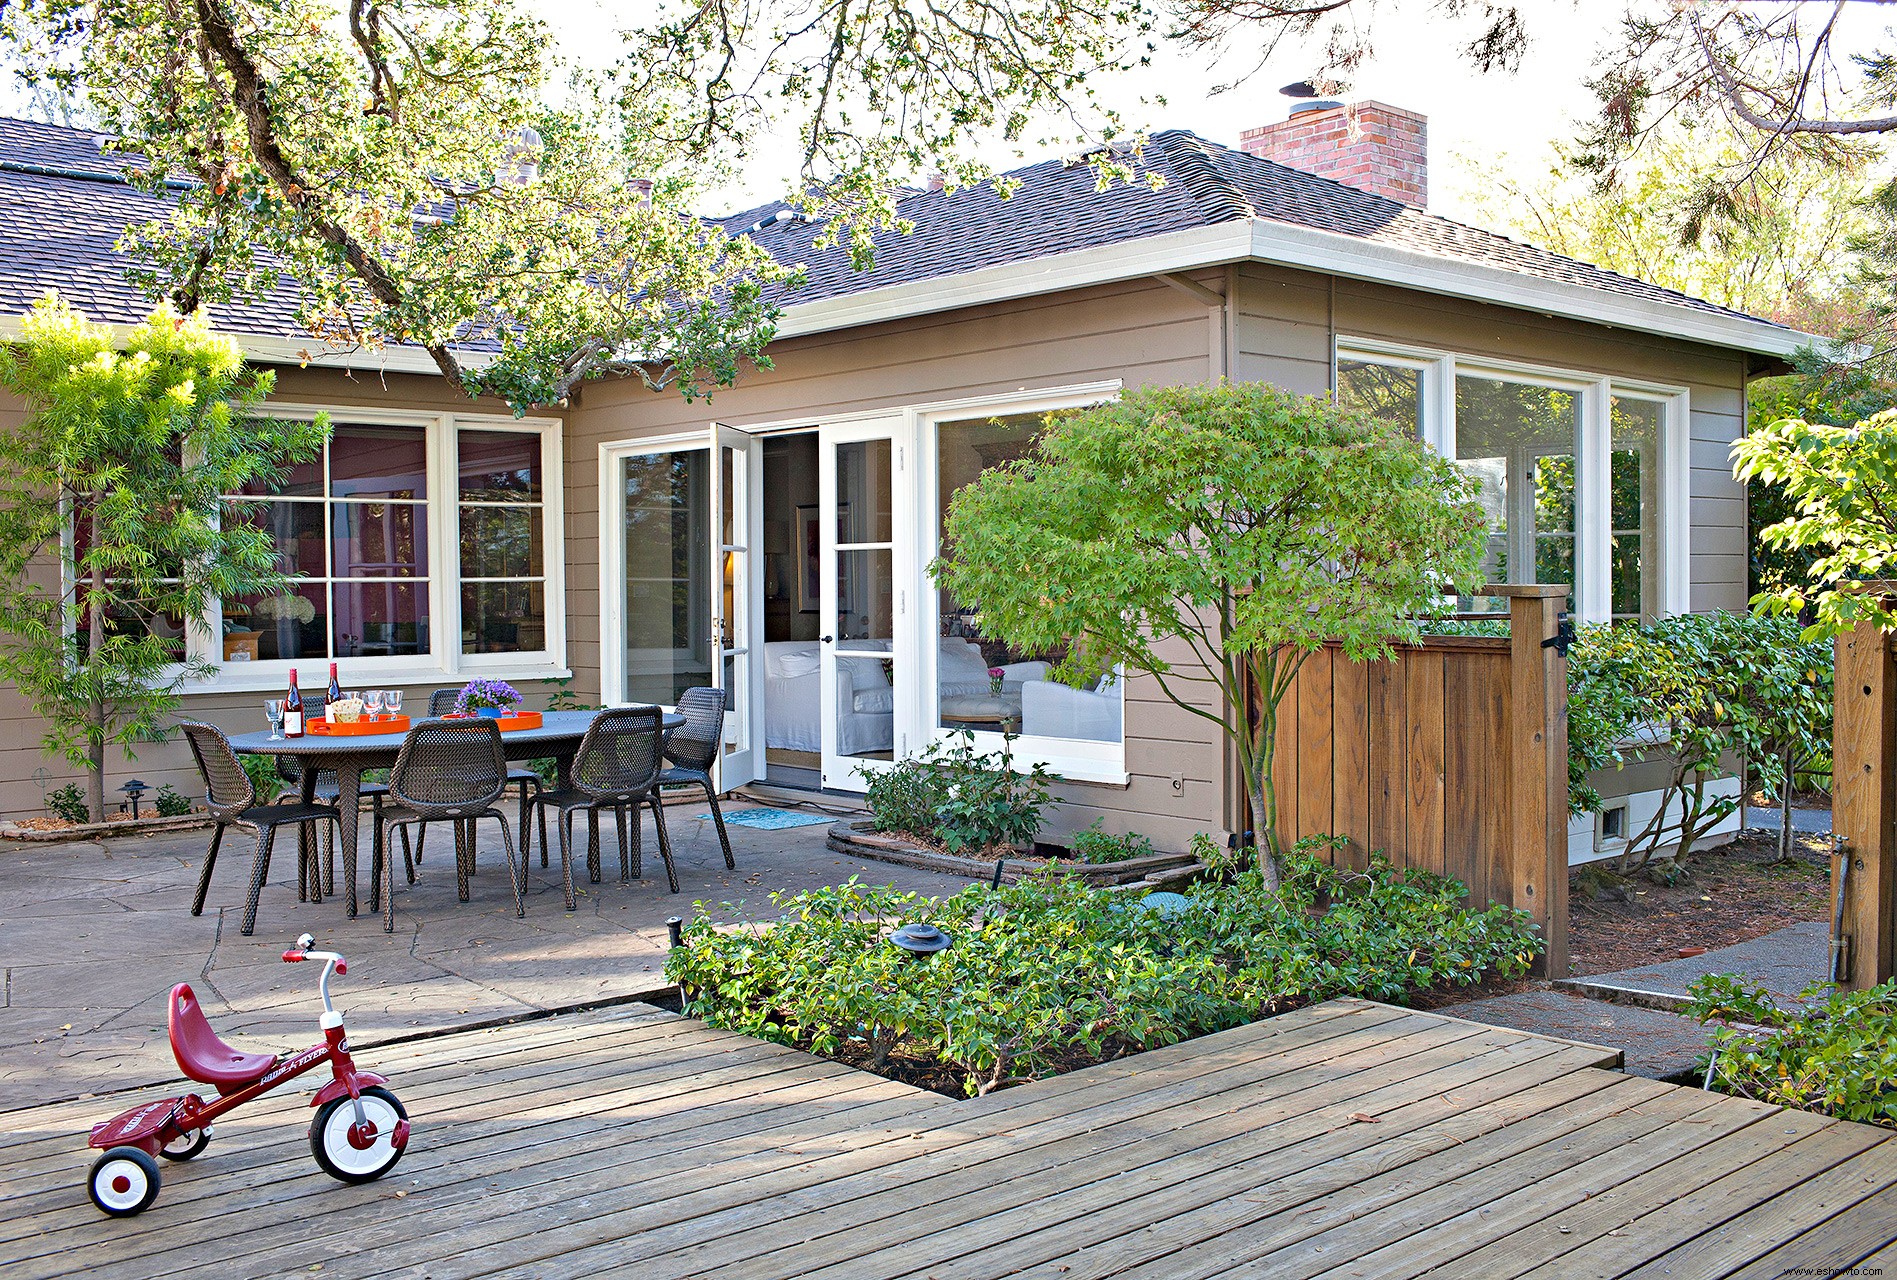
358 728
507 724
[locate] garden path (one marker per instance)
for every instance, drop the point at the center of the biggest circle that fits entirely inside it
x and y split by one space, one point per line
1348 1138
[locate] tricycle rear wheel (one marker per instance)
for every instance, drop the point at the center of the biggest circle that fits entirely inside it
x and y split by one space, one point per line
187 1144
123 1181
342 1159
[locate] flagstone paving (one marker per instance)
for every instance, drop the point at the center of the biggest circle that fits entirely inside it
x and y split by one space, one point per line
93 935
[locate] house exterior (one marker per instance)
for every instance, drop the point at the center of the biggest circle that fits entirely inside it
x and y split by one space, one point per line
775 540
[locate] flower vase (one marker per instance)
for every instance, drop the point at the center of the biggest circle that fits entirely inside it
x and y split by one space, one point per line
490 713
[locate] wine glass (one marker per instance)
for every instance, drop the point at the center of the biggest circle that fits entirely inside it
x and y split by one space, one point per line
372 703
392 699
273 711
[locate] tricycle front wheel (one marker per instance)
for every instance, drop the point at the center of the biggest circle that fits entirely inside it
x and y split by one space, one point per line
350 1156
123 1181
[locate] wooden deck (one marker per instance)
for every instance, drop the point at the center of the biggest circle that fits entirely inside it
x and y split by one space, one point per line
1349 1139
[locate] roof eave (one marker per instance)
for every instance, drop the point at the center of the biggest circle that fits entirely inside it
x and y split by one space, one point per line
281 349
1281 244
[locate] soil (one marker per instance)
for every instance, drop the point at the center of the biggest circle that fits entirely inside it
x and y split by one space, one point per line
1729 894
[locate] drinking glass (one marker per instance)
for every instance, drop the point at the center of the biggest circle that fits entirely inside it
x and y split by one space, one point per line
392 699
372 703
273 710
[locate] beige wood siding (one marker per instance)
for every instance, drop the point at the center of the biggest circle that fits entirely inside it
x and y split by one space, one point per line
1138 332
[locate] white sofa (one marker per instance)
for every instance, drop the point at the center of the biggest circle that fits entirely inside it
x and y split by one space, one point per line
865 710
1053 710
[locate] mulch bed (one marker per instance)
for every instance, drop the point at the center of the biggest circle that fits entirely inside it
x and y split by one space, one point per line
1731 894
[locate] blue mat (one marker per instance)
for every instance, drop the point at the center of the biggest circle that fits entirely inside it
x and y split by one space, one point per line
771 819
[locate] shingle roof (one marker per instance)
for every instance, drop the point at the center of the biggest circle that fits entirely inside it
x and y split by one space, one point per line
1057 210
63 207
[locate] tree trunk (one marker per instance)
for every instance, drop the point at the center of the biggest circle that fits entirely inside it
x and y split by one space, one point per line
95 710
1785 811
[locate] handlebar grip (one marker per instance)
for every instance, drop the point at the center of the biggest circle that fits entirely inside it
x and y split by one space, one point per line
341 967
292 957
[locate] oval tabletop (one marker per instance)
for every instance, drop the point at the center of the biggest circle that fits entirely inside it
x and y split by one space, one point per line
555 727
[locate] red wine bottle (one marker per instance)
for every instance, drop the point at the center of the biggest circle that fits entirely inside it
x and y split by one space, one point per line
335 689
293 710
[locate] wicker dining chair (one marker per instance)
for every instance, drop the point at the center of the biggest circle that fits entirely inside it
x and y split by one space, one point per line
232 800
615 768
693 749
448 771
440 703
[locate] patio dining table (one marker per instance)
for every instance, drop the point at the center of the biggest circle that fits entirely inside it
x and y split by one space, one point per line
350 757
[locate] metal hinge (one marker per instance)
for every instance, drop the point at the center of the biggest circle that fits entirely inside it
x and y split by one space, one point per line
1563 637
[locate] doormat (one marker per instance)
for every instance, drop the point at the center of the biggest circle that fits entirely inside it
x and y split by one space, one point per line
771 819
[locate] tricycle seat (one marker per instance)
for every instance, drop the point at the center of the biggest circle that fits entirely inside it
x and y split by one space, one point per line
201 1055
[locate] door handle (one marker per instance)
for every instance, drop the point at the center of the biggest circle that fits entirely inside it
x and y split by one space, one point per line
826 639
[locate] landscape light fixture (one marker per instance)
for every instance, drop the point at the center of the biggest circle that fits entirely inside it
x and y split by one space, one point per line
920 940
133 790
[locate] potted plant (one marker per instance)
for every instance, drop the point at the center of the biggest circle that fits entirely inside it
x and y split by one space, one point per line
489 699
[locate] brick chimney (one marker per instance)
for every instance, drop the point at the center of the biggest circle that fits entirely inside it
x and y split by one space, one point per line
1368 145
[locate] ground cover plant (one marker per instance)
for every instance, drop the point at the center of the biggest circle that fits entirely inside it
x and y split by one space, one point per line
1048 974
1836 1053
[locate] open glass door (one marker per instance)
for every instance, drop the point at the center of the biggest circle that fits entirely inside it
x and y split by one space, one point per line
862 618
737 608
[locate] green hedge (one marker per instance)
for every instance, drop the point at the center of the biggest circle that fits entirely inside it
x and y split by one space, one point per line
1048 972
1835 1053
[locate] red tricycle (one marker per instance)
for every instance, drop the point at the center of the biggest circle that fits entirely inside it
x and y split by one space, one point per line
359 1132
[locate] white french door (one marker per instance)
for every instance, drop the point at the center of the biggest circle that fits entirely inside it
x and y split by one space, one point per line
865 618
682 593
737 611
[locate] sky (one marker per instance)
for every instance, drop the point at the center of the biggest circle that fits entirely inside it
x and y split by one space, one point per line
1417 67
1485 116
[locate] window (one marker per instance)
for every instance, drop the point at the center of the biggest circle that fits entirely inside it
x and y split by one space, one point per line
1023 698
1576 471
1520 440
1633 469
414 542
352 526
501 509
1385 390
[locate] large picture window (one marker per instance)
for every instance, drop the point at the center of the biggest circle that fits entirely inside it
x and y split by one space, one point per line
1572 468
413 542
981 683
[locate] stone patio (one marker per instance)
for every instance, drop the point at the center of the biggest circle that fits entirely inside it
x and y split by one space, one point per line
95 935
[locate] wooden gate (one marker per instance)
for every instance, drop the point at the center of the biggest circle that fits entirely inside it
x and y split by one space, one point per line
1864 806
1450 756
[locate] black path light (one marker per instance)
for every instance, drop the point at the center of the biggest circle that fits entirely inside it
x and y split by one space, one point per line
133 790
920 940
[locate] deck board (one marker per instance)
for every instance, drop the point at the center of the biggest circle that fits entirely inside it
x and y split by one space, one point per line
1348 1139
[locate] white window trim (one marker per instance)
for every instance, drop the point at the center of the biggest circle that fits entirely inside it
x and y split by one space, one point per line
446 662
1593 531
1075 760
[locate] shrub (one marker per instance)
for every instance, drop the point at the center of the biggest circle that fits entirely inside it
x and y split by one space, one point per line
263 775
1096 845
959 798
1702 687
69 802
1046 974
1837 1053
171 804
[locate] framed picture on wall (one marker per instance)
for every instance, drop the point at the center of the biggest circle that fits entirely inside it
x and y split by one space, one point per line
809 561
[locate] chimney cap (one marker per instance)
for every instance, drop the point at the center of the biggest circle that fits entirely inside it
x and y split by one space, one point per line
1299 89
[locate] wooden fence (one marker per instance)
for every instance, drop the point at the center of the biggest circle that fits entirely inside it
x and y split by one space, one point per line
1864 808
1451 756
